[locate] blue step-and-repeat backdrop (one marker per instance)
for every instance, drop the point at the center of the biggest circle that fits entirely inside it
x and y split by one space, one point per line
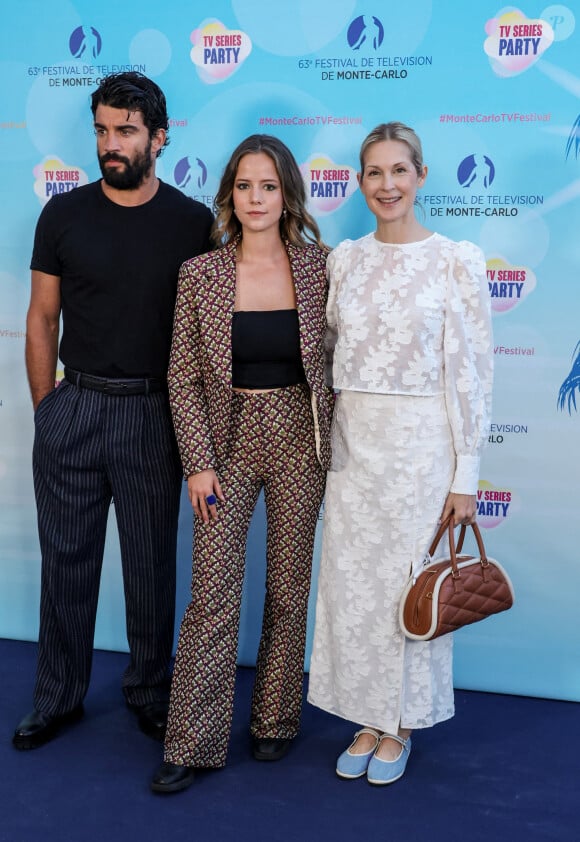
493 91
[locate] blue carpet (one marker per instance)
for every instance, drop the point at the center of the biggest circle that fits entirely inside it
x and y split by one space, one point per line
505 768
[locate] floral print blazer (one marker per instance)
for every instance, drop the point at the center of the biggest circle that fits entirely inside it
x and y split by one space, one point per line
200 367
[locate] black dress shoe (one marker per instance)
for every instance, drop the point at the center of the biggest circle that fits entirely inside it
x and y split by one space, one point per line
270 748
38 728
152 718
170 777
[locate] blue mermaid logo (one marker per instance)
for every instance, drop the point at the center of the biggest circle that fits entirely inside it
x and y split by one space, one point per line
85 42
365 29
571 385
573 144
474 168
183 172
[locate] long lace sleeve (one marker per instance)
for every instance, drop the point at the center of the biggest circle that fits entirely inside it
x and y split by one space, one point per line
187 396
332 273
468 361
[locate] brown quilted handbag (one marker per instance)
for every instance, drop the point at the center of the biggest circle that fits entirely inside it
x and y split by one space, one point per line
453 592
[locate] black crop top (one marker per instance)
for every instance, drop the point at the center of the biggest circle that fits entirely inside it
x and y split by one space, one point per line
266 349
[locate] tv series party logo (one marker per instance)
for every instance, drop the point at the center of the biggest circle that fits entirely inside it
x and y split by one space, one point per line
516 42
53 176
217 51
494 504
328 185
509 285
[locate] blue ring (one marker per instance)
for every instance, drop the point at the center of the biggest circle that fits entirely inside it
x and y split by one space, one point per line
211 500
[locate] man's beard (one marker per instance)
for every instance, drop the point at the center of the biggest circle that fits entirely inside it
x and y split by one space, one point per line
133 174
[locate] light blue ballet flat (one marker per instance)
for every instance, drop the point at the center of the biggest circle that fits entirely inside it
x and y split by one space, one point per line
381 772
350 766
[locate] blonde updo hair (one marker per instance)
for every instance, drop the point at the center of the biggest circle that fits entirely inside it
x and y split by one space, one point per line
394 131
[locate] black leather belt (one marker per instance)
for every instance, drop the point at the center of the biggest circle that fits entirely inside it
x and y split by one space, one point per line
114 386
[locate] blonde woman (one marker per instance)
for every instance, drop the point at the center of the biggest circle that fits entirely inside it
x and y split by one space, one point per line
409 319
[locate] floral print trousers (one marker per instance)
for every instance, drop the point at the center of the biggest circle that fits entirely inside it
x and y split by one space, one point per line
271 446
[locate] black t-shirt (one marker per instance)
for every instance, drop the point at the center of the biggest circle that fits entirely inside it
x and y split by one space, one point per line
118 268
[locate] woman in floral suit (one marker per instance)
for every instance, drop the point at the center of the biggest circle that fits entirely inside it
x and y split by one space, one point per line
409 315
251 410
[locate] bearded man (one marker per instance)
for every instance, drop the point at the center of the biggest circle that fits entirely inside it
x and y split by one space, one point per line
105 262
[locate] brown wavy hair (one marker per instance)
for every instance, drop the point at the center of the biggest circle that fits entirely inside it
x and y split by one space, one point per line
297 226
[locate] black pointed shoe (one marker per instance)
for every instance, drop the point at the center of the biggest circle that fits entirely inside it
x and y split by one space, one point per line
171 777
270 748
152 718
38 728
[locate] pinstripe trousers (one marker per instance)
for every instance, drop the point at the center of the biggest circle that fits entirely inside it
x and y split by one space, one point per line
91 448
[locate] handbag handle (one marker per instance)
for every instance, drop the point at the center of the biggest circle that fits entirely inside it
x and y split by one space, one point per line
453 549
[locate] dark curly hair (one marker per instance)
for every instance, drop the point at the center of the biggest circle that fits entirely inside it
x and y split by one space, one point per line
135 92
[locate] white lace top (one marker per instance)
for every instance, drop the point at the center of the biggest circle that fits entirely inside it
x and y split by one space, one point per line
415 319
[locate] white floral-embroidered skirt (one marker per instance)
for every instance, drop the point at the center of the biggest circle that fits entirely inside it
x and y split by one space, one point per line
392 466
